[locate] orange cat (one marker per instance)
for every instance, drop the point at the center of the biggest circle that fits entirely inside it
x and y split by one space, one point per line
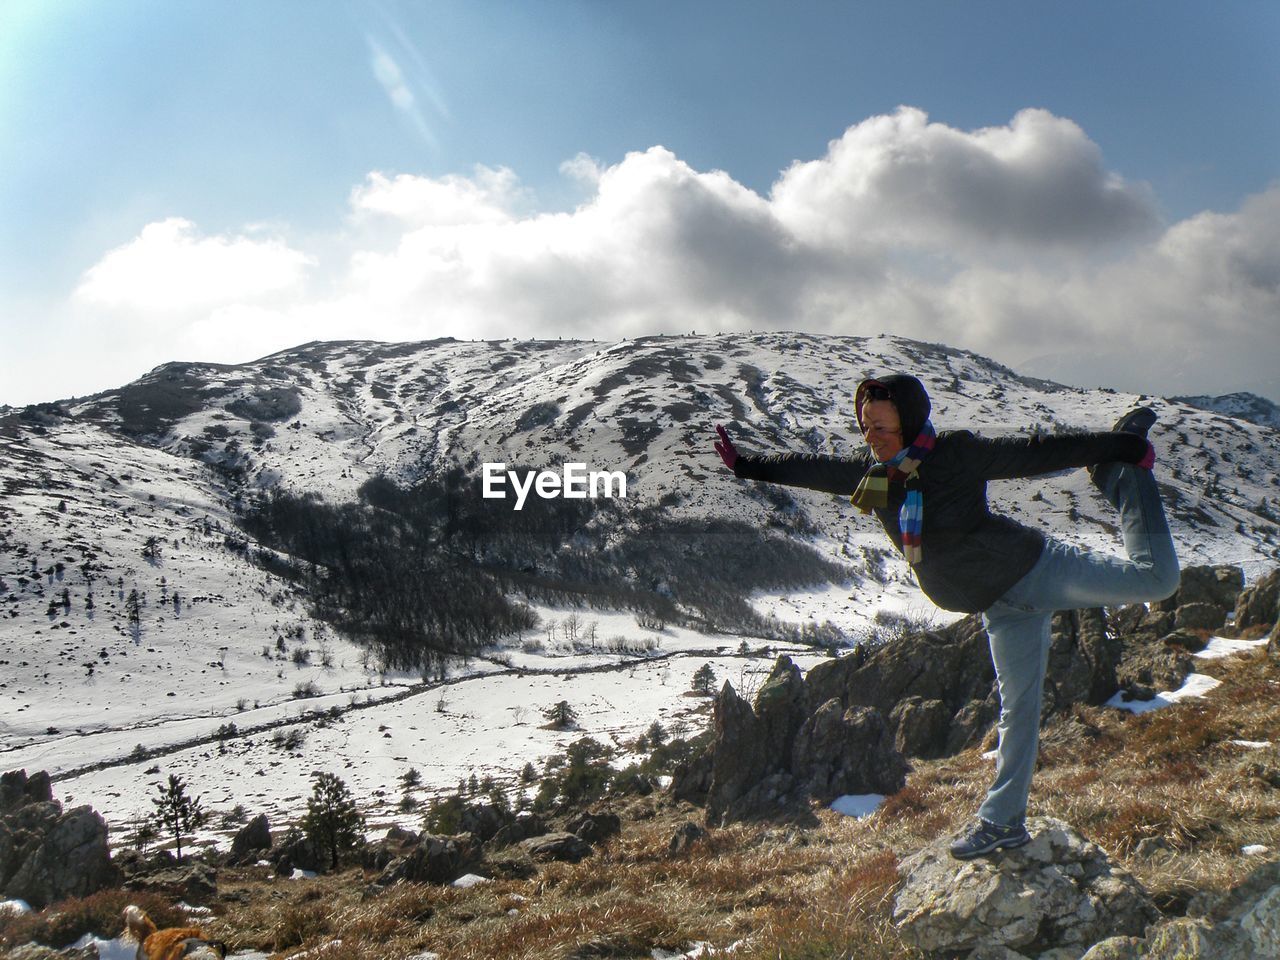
175 943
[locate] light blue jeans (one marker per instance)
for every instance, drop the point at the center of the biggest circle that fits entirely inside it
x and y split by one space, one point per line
1067 578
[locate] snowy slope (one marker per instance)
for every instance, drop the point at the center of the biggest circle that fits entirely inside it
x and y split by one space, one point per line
87 484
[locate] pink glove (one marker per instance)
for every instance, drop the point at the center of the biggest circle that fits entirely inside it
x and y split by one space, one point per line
724 447
1148 458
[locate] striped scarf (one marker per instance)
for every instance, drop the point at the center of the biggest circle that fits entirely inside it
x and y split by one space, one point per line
873 491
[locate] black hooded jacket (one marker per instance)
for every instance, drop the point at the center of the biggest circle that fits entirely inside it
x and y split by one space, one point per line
971 556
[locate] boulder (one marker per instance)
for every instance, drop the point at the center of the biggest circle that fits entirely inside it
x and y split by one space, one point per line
1199 616
921 727
1259 603
296 852
840 751
971 724
744 774
397 843
47 855
952 665
595 827
524 825
557 846
38 951
1273 642
1083 657
1057 892
1115 948
686 835
1219 586
482 820
251 839
435 859
194 883
18 790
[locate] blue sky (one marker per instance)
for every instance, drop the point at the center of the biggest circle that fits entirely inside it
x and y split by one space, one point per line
296 155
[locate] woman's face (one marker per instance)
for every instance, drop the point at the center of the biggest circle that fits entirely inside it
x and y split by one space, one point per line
882 427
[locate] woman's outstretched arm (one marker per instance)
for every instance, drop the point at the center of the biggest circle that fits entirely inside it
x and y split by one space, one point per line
811 470
1004 458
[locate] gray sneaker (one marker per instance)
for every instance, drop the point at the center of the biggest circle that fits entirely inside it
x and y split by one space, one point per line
1138 420
986 837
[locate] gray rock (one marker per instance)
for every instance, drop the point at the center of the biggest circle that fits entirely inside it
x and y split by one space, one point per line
194 883
991 951
1116 948
1219 586
252 838
595 827
524 826
1083 657
37 951
1259 603
1199 616
1058 891
296 852
557 846
921 727
18 790
48 855
684 838
435 859
840 751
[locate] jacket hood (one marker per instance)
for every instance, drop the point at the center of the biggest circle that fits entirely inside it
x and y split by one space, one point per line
907 394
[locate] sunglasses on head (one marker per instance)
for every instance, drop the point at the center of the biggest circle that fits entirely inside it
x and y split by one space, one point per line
877 392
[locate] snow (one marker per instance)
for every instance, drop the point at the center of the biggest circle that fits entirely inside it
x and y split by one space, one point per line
1196 685
1255 850
1219 647
1252 744
857 805
14 906
468 880
699 949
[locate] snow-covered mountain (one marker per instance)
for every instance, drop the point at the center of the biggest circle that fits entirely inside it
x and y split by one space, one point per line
1244 406
137 626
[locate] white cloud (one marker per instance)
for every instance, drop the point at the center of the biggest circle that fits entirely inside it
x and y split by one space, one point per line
900 179
170 267
489 196
1014 241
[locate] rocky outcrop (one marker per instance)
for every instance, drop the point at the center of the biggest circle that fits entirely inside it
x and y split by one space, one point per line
1243 924
840 751
775 754
192 883
433 859
1057 892
251 840
595 827
1259 603
1217 586
47 854
296 852
557 846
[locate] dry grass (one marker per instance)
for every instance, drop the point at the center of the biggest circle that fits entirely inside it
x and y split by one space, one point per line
825 892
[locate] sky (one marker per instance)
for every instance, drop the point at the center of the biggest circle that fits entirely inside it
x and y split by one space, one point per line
1083 191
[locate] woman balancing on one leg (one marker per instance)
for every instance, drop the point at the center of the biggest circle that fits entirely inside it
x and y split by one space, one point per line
929 492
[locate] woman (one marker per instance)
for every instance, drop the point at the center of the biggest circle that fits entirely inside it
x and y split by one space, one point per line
929 492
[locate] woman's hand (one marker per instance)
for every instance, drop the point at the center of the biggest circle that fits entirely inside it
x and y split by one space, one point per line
724 447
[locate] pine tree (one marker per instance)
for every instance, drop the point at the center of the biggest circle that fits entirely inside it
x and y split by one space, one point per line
561 715
704 679
333 822
176 813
